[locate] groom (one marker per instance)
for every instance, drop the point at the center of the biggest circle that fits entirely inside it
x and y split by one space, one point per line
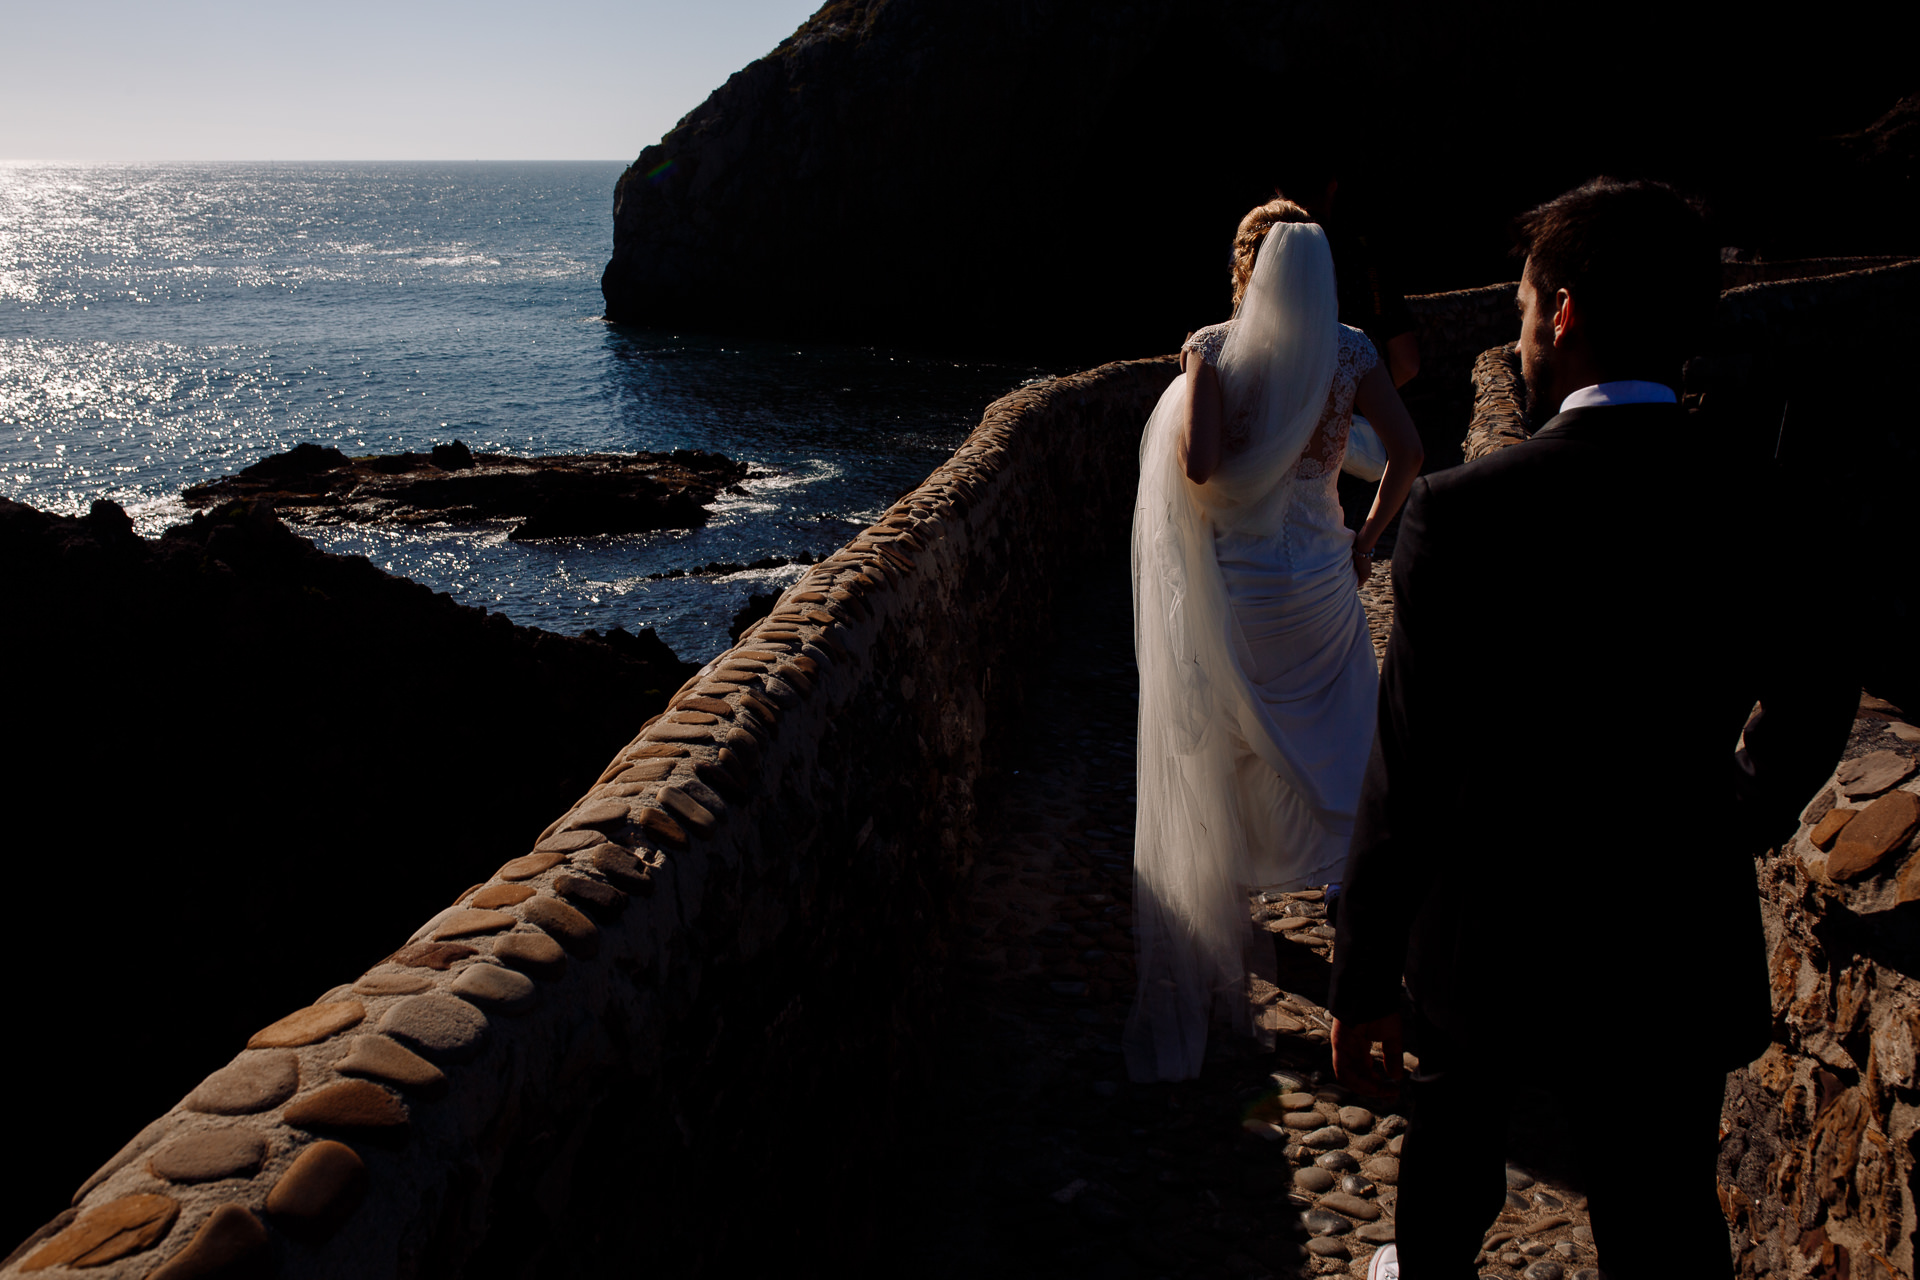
1555 844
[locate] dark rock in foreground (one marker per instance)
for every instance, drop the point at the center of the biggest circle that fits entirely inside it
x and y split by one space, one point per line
566 496
240 764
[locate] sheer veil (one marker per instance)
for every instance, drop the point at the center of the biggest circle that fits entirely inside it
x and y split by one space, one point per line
1196 704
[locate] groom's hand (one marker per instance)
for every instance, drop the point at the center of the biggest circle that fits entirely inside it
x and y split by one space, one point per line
1353 1062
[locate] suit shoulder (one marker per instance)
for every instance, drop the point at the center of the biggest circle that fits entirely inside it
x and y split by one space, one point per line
1471 482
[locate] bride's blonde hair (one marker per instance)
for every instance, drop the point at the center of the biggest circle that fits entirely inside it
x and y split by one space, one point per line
1253 230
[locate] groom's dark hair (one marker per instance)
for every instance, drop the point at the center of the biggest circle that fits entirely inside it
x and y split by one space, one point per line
1638 261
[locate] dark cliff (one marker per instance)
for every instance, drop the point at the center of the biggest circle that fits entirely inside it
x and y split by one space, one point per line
214 735
1067 174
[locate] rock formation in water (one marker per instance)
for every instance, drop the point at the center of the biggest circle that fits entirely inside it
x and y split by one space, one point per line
1069 172
567 496
215 734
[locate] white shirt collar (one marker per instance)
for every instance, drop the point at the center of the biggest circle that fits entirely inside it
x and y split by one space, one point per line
1627 392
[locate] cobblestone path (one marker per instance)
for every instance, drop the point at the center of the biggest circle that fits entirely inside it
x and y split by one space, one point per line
1040 1158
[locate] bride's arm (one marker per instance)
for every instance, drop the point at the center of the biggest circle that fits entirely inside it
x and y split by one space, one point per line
1380 403
1200 443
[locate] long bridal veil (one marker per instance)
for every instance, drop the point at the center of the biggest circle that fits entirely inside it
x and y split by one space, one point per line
1197 707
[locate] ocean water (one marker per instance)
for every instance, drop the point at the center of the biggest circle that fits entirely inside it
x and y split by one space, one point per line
164 324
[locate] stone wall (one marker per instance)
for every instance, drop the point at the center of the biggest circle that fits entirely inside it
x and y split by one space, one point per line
1453 329
687 1024
1499 403
1823 1132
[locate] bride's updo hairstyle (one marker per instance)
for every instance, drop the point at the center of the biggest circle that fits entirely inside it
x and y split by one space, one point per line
1253 231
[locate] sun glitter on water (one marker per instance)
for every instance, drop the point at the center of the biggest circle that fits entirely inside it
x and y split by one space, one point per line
164 324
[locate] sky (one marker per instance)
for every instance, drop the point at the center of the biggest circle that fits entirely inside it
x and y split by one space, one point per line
160 80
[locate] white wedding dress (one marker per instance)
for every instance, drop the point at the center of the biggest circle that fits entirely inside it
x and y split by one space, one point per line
1257 675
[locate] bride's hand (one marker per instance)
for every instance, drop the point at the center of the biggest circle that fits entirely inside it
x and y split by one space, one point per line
1363 565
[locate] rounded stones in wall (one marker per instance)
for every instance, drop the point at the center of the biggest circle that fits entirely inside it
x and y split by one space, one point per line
1871 774
571 929
659 824
673 732
622 868
107 1232
693 815
530 865
782 693
493 986
431 955
533 952
382 1059
308 1026
719 777
469 921
208 1155
570 841
442 1027
595 898
599 813
1880 828
318 1192
350 1104
137 1146
231 1242
495 896
258 1080
645 771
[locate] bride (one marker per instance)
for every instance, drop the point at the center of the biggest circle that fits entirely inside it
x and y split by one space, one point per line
1257 676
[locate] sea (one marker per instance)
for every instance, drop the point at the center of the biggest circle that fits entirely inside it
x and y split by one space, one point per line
166 324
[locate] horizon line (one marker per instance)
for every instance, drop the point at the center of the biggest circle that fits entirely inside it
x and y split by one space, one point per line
6 162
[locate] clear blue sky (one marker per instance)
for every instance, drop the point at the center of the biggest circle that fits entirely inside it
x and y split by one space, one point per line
361 80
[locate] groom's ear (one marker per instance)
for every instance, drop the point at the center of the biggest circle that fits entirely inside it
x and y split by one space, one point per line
1566 318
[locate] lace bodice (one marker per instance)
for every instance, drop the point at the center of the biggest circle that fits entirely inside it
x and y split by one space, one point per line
1312 529
1353 361
1328 447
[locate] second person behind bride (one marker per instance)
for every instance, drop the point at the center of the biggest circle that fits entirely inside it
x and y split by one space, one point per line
1257 675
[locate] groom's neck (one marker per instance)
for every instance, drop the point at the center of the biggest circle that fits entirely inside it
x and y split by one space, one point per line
1593 375
1577 369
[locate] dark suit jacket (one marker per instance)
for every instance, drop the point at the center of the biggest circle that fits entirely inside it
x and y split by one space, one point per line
1556 837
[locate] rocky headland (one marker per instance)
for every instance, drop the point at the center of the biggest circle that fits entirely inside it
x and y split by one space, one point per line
569 495
242 765
1067 176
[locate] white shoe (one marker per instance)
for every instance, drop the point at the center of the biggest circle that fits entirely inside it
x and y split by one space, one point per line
1385 1264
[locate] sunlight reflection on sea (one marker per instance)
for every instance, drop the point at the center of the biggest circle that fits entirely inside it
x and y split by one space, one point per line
164 324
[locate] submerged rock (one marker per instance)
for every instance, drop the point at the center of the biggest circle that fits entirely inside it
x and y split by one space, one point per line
565 496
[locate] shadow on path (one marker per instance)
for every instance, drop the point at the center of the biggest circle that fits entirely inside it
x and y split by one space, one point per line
1037 1157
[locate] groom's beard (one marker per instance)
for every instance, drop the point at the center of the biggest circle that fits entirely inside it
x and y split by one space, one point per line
1537 377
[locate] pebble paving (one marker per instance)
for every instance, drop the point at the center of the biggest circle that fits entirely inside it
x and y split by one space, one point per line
1045 1160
